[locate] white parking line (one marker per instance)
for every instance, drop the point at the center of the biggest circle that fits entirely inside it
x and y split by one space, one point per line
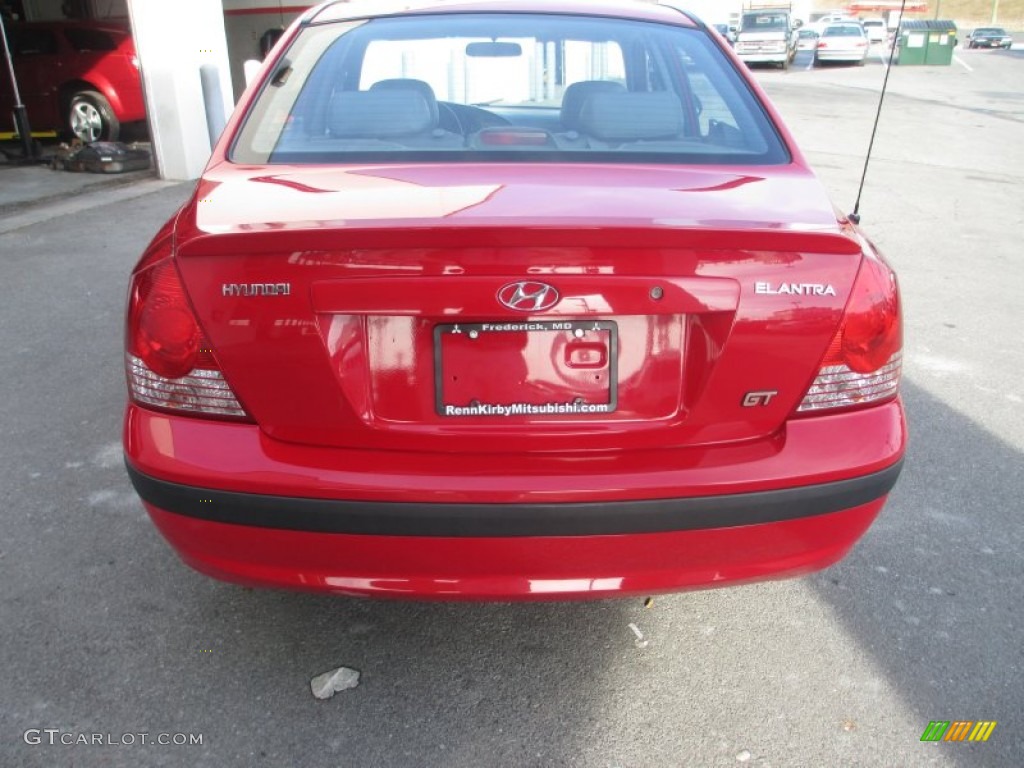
962 63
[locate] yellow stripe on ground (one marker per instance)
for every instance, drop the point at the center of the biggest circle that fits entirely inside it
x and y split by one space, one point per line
9 135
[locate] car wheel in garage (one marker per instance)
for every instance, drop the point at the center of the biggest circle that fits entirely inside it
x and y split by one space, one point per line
90 117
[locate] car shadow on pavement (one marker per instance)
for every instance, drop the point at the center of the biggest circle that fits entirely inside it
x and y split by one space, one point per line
441 684
945 554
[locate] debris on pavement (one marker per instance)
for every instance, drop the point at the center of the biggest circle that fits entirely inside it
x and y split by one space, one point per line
640 642
101 157
329 683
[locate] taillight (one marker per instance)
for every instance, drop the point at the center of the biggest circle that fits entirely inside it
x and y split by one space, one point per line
169 361
863 363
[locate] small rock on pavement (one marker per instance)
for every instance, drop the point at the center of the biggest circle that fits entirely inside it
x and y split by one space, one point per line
744 756
329 683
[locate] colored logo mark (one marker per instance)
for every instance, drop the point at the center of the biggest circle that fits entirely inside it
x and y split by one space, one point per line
958 730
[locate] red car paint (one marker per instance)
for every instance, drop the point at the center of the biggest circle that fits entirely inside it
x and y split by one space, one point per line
55 68
324 294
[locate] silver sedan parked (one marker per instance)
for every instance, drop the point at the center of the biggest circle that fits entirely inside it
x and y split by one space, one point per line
842 42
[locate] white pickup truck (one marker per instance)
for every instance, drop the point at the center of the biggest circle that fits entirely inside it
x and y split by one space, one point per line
766 35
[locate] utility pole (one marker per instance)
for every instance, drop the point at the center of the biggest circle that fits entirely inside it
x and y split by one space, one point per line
995 11
938 7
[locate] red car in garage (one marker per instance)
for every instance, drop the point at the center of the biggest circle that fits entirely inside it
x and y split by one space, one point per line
510 300
78 78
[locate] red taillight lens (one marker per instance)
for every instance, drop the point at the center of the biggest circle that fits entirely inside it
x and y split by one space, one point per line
864 361
168 359
162 331
872 332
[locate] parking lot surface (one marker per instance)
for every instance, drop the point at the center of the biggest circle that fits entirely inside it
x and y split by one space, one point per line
106 632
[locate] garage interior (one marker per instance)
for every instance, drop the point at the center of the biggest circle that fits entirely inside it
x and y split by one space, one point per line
178 45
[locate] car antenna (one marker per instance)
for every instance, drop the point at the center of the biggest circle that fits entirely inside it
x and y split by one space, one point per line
855 216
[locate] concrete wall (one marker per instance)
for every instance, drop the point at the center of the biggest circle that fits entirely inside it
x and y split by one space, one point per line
175 39
245 21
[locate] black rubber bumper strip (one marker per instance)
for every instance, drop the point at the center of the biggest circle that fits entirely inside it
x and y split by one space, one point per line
499 520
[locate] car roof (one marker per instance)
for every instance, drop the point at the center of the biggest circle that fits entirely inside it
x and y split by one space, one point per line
639 10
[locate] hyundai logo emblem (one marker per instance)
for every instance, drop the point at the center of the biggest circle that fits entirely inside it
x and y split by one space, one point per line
528 296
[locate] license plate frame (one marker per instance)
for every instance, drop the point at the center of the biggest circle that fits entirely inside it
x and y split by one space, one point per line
587 333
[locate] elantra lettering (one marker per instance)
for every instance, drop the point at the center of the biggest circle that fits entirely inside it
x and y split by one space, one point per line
795 289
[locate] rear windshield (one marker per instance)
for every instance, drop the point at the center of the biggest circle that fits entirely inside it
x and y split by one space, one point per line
468 87
752 22
846 30
990 31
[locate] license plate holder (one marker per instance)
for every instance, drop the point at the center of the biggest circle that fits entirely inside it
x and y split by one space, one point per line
526 368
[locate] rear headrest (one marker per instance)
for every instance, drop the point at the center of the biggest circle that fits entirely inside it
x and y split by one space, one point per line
632 116
409 84
577 94
380 114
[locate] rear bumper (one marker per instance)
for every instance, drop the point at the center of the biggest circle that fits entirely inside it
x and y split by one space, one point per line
765 58
824 55
460 521
241 507
535 568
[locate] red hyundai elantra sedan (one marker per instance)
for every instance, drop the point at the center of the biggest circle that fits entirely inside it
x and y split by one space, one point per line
516 299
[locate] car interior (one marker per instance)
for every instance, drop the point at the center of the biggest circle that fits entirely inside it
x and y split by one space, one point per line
674 99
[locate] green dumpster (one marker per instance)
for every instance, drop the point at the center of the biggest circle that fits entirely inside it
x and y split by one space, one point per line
926 41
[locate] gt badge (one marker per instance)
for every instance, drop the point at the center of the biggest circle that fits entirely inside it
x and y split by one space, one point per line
754 399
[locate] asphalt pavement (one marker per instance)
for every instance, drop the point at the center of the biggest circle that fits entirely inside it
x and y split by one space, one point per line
105 633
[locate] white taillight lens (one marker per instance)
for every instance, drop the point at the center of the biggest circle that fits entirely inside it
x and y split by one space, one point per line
201 391
167 358
836 386
865 359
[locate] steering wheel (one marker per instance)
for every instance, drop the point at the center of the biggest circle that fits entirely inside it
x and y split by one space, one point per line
466 119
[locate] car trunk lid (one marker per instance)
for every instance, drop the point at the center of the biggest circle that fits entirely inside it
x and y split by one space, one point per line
408 307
